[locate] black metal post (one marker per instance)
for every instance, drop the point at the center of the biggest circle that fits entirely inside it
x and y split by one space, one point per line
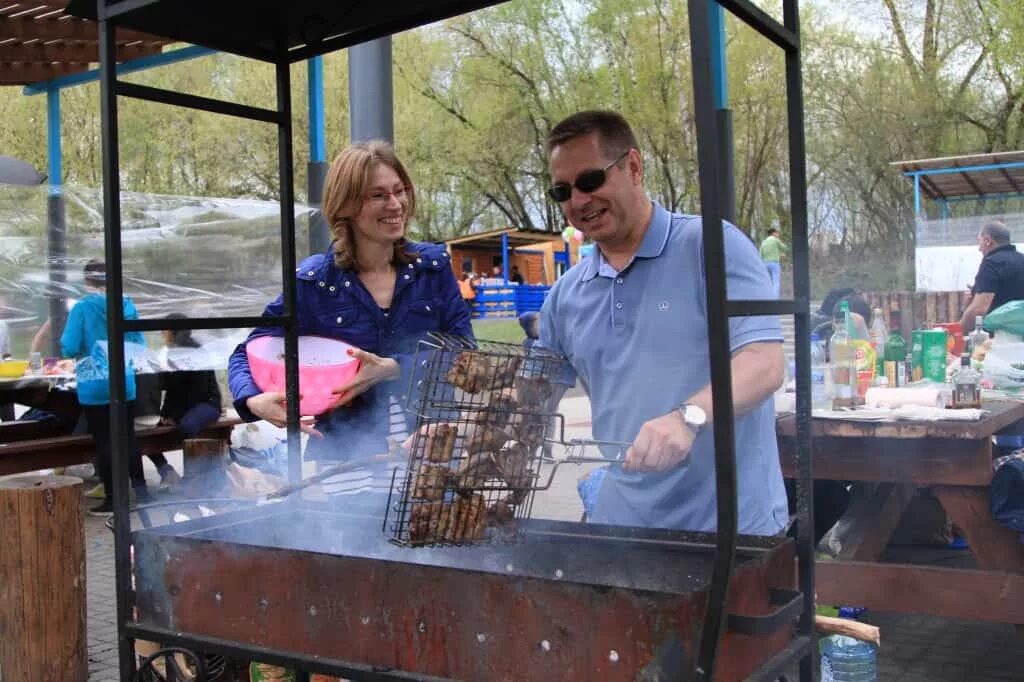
286 179
115 341
718 337
802 290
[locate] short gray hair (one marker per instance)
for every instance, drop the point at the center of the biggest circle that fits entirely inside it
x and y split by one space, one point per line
997 232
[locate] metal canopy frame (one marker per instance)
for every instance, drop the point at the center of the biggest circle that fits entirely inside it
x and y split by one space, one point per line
972 177
284 32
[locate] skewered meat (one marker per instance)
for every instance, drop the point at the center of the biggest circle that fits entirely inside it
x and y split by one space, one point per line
441 444
533 392
470 371
514 466
476 518
430 482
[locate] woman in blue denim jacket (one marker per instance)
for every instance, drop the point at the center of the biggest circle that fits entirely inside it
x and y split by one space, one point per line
372 289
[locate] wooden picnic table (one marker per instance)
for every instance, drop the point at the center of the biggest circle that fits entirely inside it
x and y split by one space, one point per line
895 458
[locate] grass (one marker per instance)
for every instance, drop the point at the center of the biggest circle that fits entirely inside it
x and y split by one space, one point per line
504 330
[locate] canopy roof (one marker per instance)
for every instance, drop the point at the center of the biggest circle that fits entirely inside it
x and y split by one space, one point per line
272 30
39 42
973 175
493 238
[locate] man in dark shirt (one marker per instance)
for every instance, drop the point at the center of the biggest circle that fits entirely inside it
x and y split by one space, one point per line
1000 277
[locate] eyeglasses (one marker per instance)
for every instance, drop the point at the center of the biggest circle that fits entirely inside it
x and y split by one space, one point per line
587 181
382 197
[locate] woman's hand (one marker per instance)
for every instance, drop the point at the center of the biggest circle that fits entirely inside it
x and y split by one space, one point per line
271 408
373 369
167 421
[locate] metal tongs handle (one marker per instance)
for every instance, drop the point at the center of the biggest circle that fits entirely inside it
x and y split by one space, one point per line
580 444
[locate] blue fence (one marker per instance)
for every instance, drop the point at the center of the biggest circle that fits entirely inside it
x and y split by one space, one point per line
496 301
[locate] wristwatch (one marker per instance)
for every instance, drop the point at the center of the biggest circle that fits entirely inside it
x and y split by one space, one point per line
694 417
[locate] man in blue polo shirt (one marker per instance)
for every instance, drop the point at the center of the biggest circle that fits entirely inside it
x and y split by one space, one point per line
632 321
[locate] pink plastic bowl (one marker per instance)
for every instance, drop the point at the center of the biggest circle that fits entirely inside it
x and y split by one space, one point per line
324 365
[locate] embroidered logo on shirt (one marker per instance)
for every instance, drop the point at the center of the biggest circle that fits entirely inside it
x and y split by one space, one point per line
662 306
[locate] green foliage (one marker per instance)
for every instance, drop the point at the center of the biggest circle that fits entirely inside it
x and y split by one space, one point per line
475 97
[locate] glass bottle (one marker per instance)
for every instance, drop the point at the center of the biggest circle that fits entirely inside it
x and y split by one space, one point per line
877 335
966 385
842 362
977 340
895 354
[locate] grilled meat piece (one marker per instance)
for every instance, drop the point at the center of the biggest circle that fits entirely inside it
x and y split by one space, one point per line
476 519
533 392
513 464
499 411
530 430
441 444
503 513
471 371
475 470
430 482
504 372
424 522
485 438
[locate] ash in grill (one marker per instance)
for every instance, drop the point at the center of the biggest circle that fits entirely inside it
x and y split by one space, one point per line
481 420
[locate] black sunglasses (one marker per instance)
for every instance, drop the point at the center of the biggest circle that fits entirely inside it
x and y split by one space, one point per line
587 181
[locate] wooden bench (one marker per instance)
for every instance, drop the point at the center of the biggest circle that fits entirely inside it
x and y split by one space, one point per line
28 448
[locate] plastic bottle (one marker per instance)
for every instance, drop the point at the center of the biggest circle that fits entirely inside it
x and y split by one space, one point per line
820 398
844 659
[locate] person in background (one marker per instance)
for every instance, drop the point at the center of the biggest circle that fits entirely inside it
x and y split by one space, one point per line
85 339
631 319
373 289
516 276
466 288
497 272
191 398
772 249
1000 277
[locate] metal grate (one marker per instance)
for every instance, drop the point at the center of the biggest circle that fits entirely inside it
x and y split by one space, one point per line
483 411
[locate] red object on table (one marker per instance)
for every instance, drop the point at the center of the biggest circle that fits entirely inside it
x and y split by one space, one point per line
954 337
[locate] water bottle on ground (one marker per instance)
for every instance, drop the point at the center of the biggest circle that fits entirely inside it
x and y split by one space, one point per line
820 398
844 659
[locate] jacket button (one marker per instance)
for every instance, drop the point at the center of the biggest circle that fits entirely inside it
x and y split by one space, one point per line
428 308
322 284
311 273
434 262
406 276
347 283
411 265
339 319
419 260
332 288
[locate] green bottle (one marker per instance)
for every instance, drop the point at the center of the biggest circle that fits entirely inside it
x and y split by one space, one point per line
895 355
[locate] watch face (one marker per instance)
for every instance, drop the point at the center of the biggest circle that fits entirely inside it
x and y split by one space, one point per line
695 416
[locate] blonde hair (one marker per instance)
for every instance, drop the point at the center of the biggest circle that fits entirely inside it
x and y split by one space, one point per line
344 190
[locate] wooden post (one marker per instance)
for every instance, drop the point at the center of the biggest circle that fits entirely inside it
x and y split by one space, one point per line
204 456
42 580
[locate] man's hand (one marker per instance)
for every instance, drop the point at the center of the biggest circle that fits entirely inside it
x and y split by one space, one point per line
663 443
271 407
373 369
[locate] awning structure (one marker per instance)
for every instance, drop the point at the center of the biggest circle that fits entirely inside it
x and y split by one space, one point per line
510 237
961 178
40 42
